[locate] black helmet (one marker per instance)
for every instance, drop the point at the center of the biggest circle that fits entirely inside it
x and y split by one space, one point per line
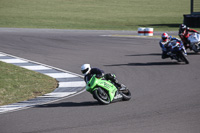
182 27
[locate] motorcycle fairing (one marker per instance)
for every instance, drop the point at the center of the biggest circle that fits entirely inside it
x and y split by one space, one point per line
95 82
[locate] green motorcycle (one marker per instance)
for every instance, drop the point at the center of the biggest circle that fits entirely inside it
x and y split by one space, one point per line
105 92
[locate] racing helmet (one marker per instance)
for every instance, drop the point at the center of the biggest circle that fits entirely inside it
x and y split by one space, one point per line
182 27
85 69
165 37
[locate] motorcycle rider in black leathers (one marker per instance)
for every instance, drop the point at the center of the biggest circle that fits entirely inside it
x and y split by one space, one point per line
184 33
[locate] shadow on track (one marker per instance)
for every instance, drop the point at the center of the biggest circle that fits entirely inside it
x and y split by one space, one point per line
193 53
68 104
153 54
159 54
147 64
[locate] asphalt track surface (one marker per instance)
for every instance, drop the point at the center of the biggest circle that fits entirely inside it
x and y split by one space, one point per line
165 94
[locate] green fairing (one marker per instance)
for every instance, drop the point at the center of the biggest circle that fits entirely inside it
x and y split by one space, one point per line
94 83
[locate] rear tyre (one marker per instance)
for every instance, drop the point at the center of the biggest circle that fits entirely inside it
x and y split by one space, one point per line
102 96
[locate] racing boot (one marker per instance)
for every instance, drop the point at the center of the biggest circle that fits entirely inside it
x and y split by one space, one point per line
120 87
185 52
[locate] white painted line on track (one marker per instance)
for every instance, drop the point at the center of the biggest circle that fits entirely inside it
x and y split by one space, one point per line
2 55
72 84
36 67
56 95
60 75
7 109
13 61
14 106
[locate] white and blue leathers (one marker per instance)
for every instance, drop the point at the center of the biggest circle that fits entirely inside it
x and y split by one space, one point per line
166 48
164 45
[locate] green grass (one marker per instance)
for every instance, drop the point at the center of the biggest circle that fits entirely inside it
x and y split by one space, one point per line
19 84
162 15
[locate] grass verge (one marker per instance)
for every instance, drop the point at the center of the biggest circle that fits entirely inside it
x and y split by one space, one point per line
19 84
94 14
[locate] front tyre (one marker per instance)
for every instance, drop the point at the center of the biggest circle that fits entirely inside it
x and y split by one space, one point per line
195 48
126 94
102 96
184 58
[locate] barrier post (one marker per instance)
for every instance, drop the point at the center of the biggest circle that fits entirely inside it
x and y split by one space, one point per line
141 31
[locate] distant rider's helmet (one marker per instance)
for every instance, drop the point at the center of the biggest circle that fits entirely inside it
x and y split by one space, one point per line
165 37
182 27
85 69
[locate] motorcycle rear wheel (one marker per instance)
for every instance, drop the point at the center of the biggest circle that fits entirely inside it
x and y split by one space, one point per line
102 96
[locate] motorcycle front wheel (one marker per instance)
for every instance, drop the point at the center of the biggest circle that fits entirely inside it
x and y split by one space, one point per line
195 49
126 94
102 96
184 58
